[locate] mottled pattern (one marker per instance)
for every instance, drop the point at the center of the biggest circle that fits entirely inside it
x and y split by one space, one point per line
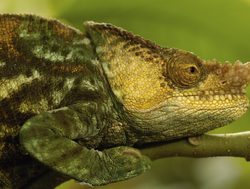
32 78
76 102
44 65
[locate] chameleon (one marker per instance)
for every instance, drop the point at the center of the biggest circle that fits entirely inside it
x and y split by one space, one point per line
81 102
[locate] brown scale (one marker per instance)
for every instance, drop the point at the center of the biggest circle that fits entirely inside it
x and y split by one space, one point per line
136 45
137 42
7 34
63 31
235 75
64 68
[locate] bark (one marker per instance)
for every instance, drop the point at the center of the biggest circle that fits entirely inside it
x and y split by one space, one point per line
208 145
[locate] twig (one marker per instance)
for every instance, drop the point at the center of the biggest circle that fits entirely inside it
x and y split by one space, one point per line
233 144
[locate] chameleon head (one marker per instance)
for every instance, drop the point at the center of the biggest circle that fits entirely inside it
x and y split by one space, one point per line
169 91
204 94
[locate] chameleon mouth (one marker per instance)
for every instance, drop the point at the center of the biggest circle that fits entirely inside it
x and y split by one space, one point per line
210 95
212 99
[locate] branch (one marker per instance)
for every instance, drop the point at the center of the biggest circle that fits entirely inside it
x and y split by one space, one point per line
233 144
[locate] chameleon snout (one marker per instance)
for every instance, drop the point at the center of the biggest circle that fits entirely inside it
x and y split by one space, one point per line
235 75
238 74
230 77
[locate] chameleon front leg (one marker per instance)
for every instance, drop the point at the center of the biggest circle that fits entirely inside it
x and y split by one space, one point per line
51 138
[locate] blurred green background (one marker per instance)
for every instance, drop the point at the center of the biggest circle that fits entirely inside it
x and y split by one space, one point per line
210 28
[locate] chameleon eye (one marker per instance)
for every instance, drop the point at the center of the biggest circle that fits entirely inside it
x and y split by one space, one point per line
192 69
185 71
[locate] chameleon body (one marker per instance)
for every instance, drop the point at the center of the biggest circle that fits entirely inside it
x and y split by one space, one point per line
79 103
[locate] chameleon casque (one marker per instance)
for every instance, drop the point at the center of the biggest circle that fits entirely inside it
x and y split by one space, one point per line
78 102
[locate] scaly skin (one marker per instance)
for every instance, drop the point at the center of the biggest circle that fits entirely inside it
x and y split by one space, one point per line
169 93
79 103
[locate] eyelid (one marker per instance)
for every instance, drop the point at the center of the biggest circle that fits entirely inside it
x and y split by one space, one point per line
178 71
